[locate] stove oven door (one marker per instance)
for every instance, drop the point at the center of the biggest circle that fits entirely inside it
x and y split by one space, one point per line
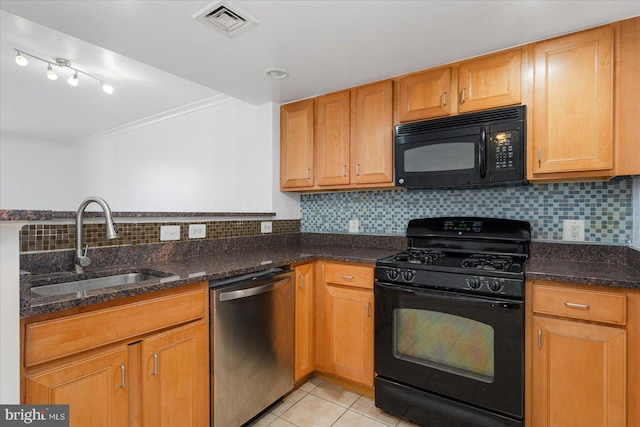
455 346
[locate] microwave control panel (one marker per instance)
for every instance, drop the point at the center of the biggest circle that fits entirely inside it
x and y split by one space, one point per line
504 147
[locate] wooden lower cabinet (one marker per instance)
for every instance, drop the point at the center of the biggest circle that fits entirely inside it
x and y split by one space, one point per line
158 378
304 315
345 343
583 343
95 388
579 375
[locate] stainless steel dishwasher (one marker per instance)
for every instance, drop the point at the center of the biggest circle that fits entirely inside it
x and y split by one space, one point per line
252 333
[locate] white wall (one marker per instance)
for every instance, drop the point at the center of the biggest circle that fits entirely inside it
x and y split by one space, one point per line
221 158
35 175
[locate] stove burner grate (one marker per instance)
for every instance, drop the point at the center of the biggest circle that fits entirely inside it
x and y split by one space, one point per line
488 262
416 256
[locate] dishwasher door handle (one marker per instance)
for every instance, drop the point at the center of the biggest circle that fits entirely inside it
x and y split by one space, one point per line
249 292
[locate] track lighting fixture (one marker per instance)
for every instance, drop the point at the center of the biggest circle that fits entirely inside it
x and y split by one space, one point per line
21 60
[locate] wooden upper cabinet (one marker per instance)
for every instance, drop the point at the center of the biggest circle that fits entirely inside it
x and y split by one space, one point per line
332 135
424 95
573 103
296 145
490 81
372 133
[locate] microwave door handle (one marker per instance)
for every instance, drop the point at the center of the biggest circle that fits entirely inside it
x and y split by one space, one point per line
482 158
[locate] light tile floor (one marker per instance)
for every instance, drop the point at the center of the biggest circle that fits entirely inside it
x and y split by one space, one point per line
319 403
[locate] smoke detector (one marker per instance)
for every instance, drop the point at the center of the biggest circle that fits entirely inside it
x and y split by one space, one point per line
225 17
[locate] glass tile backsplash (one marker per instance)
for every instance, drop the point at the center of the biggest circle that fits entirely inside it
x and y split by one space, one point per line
606 207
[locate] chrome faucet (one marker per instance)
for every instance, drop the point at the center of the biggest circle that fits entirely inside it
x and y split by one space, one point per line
82 260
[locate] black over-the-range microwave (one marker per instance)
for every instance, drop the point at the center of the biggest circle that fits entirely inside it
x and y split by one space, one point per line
480 149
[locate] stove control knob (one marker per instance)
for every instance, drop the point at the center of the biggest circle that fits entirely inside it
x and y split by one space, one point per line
408 275
495 285
392 274
475 283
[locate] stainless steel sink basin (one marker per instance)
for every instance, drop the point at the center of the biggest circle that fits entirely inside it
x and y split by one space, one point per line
81 286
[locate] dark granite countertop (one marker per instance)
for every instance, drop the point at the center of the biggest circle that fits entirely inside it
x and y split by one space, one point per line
186 271
611 266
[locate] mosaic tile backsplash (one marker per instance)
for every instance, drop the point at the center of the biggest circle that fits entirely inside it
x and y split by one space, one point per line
50 237
605 206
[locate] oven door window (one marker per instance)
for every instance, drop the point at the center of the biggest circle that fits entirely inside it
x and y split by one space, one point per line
450 156
446 342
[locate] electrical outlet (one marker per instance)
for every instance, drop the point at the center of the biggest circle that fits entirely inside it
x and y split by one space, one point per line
354 225
266 227
573 230
169 232
197 231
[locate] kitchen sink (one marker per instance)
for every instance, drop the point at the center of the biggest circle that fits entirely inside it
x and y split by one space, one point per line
105 281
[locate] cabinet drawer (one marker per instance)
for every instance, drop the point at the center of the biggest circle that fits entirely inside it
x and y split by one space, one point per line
360 276
598 306
52 339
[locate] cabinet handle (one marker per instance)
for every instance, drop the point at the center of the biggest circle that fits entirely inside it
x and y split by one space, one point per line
348 277
308 173
155 364
344 170
444 99
123 382
539 339
301 282
462 92
357 169
368 309
576 305
539 155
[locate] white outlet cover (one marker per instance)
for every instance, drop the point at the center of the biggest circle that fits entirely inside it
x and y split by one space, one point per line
354 226
169 232
197 231
266 227
573 230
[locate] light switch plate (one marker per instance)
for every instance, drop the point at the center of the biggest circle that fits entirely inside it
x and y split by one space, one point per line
169 232
197 231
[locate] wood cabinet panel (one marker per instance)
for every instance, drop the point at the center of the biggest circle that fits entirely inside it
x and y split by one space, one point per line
372 134
52 339
491 81
304 326
573 103
332 139
175 380
424 95
580 374
349 333
360 276
606 307
296 144
96 388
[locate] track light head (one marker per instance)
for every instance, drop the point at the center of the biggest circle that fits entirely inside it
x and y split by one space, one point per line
73 80
21 60
51 74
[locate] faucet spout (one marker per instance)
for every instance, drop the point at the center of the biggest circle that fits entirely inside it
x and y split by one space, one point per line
81 259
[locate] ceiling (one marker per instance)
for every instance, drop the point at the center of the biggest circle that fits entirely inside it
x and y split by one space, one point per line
160 59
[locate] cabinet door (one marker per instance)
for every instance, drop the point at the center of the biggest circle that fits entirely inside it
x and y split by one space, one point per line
372 133
579 374
349 333
175 383
96 388
489 82
332 139
572 103
304 326
296 145
424 95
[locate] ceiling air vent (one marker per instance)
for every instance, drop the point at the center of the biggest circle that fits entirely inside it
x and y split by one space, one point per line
226 18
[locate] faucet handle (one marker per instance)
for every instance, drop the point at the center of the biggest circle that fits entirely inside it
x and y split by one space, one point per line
83 260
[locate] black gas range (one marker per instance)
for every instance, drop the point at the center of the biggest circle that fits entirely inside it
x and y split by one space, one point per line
449 323
480 256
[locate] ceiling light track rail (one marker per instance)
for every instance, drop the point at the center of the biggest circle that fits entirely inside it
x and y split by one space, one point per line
22 61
